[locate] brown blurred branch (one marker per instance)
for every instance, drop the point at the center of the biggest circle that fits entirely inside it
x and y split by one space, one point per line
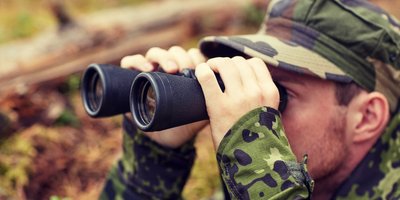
64 19
107 36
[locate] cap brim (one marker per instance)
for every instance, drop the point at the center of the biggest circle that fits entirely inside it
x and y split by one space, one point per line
275 52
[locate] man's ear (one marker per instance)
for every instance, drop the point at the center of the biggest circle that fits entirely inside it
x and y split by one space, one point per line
369 113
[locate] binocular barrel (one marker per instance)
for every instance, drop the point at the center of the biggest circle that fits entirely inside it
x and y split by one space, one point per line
156 100
160 101
105 90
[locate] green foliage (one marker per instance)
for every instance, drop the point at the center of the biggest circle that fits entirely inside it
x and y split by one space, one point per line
21 25
73 82
67 118
254 16
24 18
59 198
21 19
71 85
69 88
204 178
16 158
5 125
80 6
25 25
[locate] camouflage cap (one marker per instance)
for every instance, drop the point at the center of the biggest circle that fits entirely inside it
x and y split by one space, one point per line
339 40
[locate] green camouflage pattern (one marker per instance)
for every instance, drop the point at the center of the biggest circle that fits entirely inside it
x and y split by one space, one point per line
147 170
256 161
378 175
340 40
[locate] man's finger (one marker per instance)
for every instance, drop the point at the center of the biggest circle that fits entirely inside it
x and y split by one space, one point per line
137 62
260 70
229 74
269 89
196 56
181 57
163 58
248 77
208 82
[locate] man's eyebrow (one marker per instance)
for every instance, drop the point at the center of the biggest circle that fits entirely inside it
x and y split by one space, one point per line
281 75
287 78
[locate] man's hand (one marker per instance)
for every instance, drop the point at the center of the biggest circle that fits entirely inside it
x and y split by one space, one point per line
172 60
248 85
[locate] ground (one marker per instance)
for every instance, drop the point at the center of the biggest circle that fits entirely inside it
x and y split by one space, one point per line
53 149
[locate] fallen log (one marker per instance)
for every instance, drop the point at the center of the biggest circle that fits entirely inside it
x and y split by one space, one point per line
107 36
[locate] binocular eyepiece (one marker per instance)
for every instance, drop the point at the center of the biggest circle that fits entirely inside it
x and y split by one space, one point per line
105 90
156 100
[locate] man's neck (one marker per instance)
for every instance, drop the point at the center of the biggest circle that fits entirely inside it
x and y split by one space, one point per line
326 187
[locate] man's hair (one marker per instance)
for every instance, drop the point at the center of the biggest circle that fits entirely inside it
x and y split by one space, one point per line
345 92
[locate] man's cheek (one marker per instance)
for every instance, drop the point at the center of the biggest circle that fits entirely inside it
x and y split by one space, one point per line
296 144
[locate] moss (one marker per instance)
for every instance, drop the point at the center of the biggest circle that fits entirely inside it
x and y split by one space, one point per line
16 159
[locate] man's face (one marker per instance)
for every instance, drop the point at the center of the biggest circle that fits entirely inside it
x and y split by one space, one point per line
314 122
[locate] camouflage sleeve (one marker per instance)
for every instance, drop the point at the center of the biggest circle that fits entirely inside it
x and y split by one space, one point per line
256 161
148 170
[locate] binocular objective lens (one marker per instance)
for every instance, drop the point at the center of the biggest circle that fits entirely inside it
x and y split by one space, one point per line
148 103
96 92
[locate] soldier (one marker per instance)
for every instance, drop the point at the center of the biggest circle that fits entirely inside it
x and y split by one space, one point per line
338 136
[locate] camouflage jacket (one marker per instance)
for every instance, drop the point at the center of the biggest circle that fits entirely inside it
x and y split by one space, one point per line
254 158
378 174
256 162
148 170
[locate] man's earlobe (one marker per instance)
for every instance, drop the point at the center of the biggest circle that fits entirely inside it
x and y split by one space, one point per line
373 116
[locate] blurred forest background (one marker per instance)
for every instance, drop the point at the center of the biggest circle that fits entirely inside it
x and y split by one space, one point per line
49 147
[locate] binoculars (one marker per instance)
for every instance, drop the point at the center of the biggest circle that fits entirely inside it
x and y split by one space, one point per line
156 100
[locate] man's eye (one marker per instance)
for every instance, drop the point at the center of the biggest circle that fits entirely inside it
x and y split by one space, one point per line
283 97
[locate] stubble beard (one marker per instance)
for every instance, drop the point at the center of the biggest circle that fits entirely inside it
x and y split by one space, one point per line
336 153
